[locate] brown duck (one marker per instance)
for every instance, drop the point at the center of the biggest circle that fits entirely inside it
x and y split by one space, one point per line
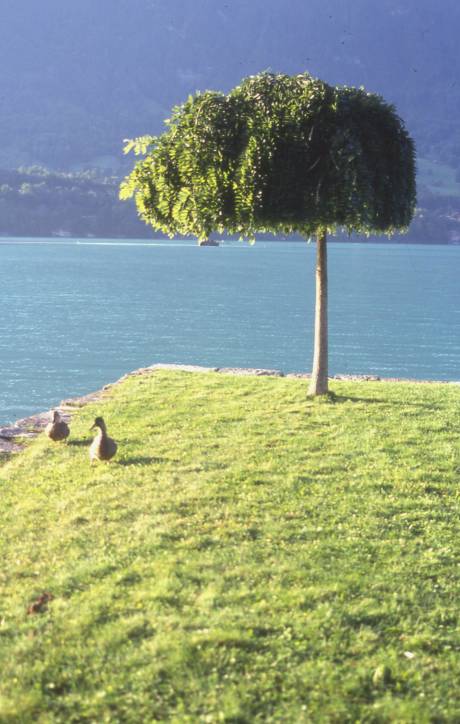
57 430
103 447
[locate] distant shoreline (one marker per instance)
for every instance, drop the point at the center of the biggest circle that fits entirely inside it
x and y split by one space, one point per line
4 239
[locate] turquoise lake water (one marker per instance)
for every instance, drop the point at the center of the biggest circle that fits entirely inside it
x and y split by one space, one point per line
79 314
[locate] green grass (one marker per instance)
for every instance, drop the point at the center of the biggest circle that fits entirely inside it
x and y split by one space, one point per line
251 556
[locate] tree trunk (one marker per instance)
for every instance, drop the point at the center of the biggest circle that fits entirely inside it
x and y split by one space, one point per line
319 375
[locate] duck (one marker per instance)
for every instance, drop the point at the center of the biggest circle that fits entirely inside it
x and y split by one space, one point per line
103 447
57 429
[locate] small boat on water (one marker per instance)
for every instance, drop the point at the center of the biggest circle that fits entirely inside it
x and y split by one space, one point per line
209 242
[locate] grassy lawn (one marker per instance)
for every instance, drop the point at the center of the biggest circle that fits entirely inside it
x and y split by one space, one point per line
251 555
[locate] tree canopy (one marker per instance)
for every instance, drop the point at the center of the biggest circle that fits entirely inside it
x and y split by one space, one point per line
277 154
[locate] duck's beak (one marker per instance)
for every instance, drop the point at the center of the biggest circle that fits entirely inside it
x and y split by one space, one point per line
92 426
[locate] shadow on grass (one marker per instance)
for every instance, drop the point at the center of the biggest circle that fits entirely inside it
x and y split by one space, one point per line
141 460
331 398
79 443
334 399
5 457
337 399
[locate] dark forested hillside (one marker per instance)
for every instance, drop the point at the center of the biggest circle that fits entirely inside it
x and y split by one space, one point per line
76 78
35 202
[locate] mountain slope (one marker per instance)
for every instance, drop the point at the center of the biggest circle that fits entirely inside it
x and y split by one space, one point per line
76 78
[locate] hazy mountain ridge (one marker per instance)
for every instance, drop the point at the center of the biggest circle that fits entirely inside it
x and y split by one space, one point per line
88 75
78 78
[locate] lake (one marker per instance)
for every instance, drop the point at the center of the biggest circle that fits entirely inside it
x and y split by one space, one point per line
79 314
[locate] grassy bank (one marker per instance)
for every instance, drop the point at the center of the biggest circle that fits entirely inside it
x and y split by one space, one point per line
251 556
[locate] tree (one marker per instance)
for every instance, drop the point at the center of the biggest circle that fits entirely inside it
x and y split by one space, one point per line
279 154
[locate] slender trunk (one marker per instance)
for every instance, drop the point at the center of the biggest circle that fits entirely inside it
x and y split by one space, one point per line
319 375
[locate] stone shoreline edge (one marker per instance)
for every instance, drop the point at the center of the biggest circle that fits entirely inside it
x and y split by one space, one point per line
12 436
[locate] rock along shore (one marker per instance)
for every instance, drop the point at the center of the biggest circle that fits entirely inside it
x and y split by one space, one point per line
13 437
